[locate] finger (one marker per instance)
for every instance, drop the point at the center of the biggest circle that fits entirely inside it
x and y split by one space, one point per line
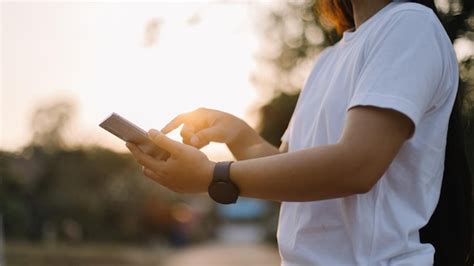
162 141
173 124
207 135
202 144
149 173
144 159
194 140
131 147
187 132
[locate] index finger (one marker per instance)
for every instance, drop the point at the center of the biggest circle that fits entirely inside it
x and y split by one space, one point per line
173 124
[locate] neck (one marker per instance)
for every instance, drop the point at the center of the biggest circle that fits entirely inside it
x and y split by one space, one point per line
364 9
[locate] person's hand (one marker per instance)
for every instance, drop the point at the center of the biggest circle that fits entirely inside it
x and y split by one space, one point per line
205 125
187 170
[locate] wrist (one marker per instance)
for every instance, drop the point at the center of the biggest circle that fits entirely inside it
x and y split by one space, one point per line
208 174
222 189
244 138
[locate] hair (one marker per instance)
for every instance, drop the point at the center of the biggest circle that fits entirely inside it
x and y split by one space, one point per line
338 13
449 228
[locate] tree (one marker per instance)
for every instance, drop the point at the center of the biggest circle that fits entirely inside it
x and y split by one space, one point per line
48 124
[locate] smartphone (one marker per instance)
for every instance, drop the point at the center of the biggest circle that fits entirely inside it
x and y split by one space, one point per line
129 132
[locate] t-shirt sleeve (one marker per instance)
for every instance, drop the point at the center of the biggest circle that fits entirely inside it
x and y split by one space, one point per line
403 66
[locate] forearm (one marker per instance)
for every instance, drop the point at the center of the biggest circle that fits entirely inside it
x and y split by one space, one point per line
250 145
312 174
370 141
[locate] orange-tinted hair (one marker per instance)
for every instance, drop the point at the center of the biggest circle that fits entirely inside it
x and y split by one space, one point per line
336 13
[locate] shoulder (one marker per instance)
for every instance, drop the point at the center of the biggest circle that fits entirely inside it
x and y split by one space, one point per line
410 25
321 59
411 8
412 16
418 27
326 52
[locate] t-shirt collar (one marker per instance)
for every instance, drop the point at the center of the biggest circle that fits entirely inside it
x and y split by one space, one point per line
350 34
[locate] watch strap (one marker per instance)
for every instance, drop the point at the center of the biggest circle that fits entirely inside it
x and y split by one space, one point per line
222 172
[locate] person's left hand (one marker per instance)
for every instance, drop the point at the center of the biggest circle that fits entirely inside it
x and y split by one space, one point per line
187 170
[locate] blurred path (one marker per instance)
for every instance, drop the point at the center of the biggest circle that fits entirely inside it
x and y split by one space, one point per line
208 254
225 254
31 254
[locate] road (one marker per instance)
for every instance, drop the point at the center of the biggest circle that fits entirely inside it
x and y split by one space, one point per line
208 254
225 254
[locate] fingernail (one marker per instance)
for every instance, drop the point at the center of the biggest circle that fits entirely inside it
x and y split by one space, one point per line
153 133
194 140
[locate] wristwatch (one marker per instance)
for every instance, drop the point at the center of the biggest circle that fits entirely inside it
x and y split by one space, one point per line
222 189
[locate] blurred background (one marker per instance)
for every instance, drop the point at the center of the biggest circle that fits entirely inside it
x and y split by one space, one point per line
70 194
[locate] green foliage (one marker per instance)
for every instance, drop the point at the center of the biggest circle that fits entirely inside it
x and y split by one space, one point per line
277 114
466 85
48 124
101 192
292 38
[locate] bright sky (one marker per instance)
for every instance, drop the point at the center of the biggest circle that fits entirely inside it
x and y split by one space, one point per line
94 53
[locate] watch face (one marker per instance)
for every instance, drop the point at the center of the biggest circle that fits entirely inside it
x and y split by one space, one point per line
223 192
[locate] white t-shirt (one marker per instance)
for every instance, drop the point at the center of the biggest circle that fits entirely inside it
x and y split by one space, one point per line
402 59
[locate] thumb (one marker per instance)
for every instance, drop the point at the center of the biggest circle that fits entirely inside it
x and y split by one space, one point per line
162 141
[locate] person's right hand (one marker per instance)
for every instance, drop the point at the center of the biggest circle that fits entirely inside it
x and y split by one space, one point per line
202 126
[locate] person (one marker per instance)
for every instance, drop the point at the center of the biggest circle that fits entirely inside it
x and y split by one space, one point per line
360 167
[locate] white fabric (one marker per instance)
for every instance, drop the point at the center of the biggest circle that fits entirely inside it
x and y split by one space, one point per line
402 59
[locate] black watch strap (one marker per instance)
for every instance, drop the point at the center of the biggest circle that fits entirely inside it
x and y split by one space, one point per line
222 189
222 171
